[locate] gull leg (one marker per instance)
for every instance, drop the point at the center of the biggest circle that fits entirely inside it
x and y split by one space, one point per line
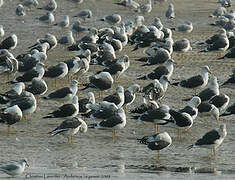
213 152
158 154
9 129
68 140
113 134
156 128
217 120
55 82
68 78
179 134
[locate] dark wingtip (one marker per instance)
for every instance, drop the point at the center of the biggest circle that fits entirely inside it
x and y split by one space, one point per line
190 147
142 78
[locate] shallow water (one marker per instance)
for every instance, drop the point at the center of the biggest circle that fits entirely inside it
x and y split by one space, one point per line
95 155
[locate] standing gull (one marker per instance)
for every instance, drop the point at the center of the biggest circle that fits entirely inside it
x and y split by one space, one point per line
69 128
90 99
157 142
117 98
20 10
207 109
67 110
130 94
48 18
37 87
170 13
220 101
212 139
115 122
67 40
10 116
63 94
112 19
145 8
15 169
64 23
195 82
51 6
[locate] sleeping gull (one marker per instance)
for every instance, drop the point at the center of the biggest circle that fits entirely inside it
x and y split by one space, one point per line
220 101
115 122
195 82
157 142
30 3
37 87
84 14
10 116
51 6
63 94
9 43
187 27
64 23
112 19
77 28
69 128
182 45
15 169
229 111
48 18
67 40
65 111
131 4
211 140
229 54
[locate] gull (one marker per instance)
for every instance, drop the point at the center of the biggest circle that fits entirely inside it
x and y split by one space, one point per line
130 94
187 27
48 18
65 111
229 54
57 72
37 71
230 82
15 169
64 23
1 3
77 28
157 23
84 14
38 87
112 19
69 128
207 109
67 40
63 94
211 140
147 105
182 45
90 99
218 12
145 8
157 142
195 82
115 122
20 10
117 98
170 13
30 3
9 43
101 81
51 6
49 39
10 116
229 111
131 4
220 101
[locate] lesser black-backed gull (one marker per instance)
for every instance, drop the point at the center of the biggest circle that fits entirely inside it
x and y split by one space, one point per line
157 142
155 92
154 115
51 6
27 103
8 65
64 23
20 10
9 43
73 65
64 94
14 92
159 56
69 128
145 8
130 94
58 71
101 81
102 110
116 43
48 18
195 82
211 90
180 121
230 82
37 71
147 105
37 87
112 19
170 13
165 69
182 45
84 14
48 38
118 67
219 44
115 122
187 27
65 111
67 40
229 54
117 98
229 111
211 140
207 109
192 107
10 116
90 99
221 101
91 37
15 169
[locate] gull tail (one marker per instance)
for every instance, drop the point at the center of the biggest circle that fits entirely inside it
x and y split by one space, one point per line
142 78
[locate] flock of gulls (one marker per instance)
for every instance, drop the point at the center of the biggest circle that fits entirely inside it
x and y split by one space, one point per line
102 47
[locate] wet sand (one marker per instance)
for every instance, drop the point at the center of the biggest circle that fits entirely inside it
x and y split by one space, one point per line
94 154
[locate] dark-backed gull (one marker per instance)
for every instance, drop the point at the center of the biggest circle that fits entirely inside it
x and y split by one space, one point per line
157 142
67 110
130 94
115 122
48 18
37 87
207 109
64 94
10 116
9 43
211 140
90 99
117 98
51 6
229 111
221 101
20 10
64 23
147 105
230 82
69 128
